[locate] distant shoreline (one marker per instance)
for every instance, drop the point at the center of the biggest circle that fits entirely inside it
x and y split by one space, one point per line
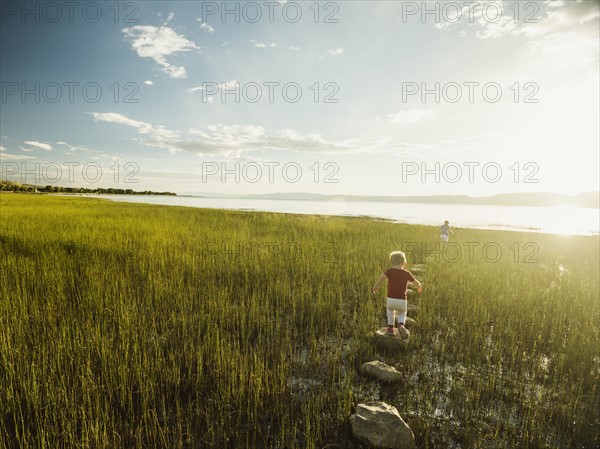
588 200
488 228
332 209
9 186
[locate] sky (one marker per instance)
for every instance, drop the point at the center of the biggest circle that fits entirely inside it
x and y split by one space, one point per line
347 97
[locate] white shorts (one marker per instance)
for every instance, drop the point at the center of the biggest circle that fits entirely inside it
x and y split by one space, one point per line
396 308
444 237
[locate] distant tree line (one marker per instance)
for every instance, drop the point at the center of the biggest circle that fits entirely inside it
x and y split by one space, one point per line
7 186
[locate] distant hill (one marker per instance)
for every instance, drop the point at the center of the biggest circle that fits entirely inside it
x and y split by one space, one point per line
587 199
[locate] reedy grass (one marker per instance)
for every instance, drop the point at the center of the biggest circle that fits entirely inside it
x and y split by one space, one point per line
130 325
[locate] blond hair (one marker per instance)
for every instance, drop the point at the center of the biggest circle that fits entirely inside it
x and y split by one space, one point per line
397 258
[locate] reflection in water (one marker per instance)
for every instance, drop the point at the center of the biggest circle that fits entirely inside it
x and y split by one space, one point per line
554 220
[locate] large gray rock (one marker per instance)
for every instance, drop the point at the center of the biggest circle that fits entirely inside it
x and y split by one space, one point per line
390 342
381 371
381 426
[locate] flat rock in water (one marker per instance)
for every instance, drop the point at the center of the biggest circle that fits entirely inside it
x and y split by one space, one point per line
391 342
381 371
380 425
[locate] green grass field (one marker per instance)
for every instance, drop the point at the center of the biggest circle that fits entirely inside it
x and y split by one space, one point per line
137 326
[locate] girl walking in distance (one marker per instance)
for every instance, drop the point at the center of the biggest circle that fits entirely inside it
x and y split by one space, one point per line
445 232
398 279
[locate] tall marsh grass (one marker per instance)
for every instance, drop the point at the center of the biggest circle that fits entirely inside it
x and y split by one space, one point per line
138 326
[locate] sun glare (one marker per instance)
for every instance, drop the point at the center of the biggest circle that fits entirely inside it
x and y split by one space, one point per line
564 220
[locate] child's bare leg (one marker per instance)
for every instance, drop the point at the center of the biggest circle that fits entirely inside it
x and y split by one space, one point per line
391 312
401 310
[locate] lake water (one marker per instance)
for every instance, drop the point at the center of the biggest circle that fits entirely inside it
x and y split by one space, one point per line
555 220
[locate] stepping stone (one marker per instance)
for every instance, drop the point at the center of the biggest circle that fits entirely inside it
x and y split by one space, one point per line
379 425
381 371
390 342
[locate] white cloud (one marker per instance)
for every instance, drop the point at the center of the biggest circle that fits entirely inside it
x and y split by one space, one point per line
531 20
2 148
171 16
336 51
26 150
293 47
148 83
562 35
73 148
15 157
233 141
40 145
263 45
158 135
114 117
408 116
158 43
228 85
206 26
568 34
560 19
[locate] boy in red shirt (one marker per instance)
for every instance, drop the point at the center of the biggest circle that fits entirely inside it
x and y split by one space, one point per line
398 278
